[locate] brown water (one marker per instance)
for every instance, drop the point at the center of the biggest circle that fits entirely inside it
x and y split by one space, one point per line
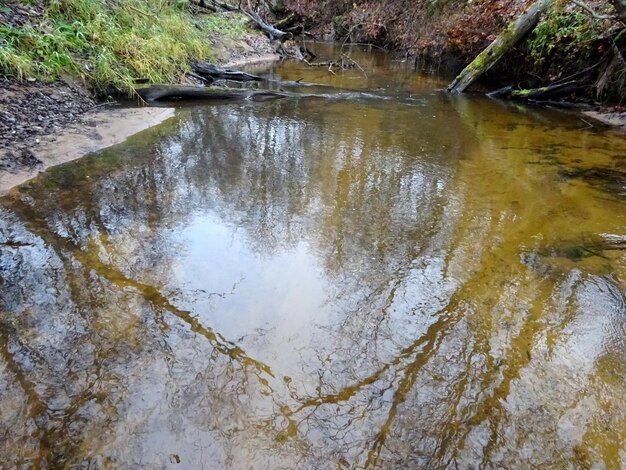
396 279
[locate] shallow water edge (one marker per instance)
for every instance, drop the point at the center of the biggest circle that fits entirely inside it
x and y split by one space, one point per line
97 131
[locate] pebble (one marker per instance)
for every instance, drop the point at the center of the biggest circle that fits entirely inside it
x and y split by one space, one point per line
31 110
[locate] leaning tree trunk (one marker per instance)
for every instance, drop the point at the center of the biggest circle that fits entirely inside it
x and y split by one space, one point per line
513 33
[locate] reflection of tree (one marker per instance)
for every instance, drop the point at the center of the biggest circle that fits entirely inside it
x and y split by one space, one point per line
437 326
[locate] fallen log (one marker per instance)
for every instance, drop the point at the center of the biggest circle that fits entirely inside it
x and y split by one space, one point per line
513 33
179 92
199 93
210 73
223 6
530 94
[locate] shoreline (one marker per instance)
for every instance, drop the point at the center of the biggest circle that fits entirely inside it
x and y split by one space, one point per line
260 59
91 131
614 120
98 131
95 130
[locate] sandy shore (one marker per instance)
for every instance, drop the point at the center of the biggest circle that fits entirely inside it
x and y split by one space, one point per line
252 61
97 131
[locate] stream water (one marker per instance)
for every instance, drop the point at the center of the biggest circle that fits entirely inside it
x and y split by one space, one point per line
385 276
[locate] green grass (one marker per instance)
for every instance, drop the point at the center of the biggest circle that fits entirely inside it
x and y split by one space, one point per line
111 44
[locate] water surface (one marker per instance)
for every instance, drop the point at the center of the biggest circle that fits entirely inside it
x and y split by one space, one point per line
383 277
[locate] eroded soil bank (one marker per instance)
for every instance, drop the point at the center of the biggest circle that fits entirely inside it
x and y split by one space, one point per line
582 41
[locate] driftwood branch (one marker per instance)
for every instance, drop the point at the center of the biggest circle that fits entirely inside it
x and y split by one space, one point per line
276 32
533 94
343 62
271 31
283 30
210 73
552 90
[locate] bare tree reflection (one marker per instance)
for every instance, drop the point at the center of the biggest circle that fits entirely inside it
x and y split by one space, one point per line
437 341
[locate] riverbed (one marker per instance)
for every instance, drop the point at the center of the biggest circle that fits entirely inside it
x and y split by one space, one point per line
377 275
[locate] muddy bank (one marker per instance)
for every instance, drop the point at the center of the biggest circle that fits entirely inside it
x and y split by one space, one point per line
94 132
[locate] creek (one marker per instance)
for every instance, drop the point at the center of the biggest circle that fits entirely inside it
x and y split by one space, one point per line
384 277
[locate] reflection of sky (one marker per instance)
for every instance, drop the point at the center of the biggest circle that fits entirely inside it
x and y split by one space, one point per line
280 295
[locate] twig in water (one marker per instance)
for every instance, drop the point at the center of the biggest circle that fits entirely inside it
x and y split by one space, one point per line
107 103
589 125
366 44
355 63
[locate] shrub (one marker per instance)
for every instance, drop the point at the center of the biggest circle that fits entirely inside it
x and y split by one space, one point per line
568 31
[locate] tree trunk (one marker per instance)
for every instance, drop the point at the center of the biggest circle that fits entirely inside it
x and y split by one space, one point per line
513 33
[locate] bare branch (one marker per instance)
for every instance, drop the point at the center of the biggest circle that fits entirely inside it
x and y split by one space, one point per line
592 12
